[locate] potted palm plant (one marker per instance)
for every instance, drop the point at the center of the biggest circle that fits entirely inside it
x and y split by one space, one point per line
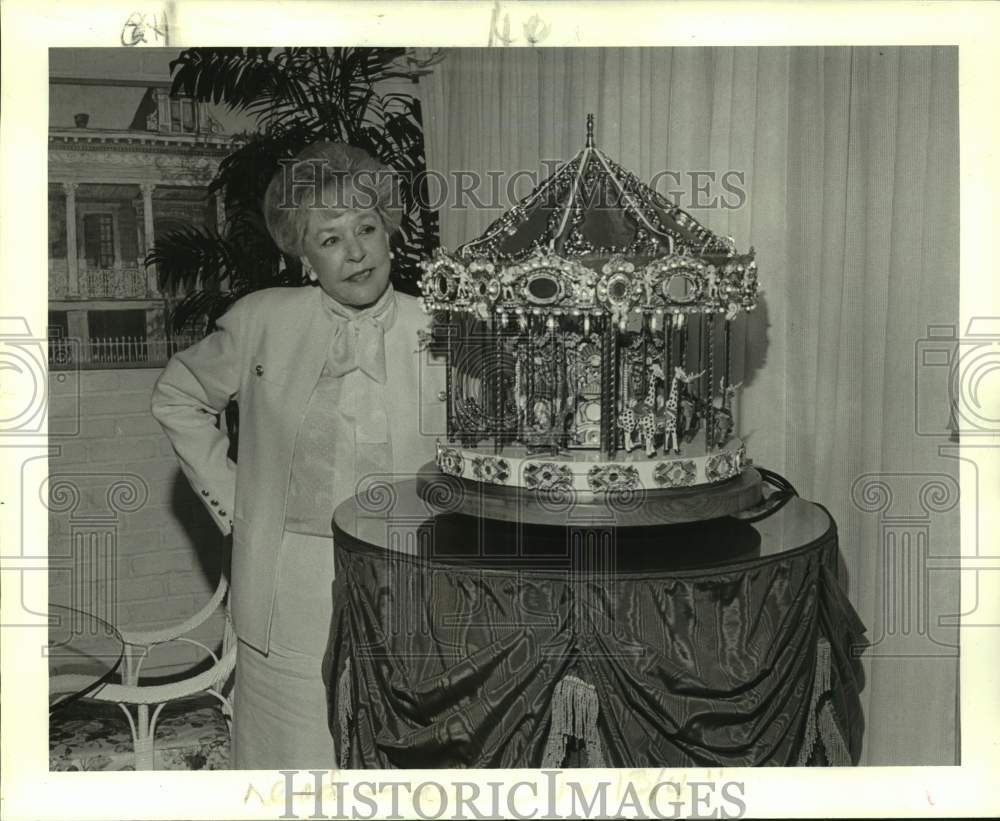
295 96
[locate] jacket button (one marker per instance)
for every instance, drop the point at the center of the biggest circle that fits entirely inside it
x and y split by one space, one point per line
214 503
204 493
259 370
222 513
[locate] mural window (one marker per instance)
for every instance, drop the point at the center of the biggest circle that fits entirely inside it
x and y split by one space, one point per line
99 240
182 116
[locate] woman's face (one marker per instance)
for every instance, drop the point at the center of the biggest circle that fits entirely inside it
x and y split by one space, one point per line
348 252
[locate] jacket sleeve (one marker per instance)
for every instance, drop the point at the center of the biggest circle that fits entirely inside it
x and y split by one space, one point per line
194 388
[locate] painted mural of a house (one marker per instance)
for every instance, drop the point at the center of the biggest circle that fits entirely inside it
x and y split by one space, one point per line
127 162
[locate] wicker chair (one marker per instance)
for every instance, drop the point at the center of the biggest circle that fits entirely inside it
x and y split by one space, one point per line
143 703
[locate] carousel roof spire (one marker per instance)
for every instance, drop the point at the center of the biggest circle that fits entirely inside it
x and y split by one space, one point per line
591 209
593 217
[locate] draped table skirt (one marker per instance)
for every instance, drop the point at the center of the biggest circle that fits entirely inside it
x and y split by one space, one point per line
458 643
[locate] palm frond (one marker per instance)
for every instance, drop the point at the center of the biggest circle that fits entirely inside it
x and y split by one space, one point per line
197 307
189 258
297 96
233 77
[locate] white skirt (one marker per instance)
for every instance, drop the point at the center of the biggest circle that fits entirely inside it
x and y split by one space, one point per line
280 716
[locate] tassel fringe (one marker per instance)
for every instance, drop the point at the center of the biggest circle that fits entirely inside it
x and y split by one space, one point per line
344 714
837 754
574 714
821 722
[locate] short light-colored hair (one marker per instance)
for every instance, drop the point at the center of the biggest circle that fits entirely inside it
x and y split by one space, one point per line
328 176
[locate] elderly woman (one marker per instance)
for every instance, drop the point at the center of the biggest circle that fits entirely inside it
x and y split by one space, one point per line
331 388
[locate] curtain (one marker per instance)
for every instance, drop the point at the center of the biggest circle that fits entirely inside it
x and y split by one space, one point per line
849 164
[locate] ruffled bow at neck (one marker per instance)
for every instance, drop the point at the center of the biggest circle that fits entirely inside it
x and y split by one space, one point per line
359 336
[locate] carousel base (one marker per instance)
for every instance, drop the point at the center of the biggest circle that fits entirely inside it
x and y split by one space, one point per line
586 471
563 507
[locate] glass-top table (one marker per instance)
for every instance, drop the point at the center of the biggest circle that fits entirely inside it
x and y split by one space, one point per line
468 641
84 652
403 517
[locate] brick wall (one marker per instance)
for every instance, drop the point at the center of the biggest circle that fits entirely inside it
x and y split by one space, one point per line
120 508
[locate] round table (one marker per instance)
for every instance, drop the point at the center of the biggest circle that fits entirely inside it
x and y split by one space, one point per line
84 652
463 641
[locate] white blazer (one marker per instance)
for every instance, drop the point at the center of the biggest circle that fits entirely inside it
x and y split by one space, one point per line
268 353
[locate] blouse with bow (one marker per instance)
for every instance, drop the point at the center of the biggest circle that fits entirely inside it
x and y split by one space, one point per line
345 431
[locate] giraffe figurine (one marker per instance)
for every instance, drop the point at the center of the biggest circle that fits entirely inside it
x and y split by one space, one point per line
520 393
627 422
647 412
671 439
642 415
724 411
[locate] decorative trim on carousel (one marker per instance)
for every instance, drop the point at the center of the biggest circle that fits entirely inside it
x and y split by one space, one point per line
552 285
554 473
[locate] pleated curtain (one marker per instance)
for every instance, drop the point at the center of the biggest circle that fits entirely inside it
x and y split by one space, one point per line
849 159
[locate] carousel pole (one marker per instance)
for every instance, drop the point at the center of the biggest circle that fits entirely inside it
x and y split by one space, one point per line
529 376
645 355
701 352
550 342
496 337
609 388
562 388
449 361
668 357
710 411
728 365
728 369
682 345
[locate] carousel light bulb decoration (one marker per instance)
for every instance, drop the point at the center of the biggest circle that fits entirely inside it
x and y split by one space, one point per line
588 339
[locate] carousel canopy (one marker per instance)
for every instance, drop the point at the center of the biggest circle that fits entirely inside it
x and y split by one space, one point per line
593 239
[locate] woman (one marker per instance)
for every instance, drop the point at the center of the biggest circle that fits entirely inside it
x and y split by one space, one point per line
328 379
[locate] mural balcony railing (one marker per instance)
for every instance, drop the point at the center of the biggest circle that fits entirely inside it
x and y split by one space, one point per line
114 283
58 278
67 353
127 281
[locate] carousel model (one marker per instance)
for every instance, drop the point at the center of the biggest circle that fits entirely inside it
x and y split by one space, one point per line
587 337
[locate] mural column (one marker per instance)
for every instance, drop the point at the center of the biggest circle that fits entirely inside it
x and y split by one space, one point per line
149 234
71 251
